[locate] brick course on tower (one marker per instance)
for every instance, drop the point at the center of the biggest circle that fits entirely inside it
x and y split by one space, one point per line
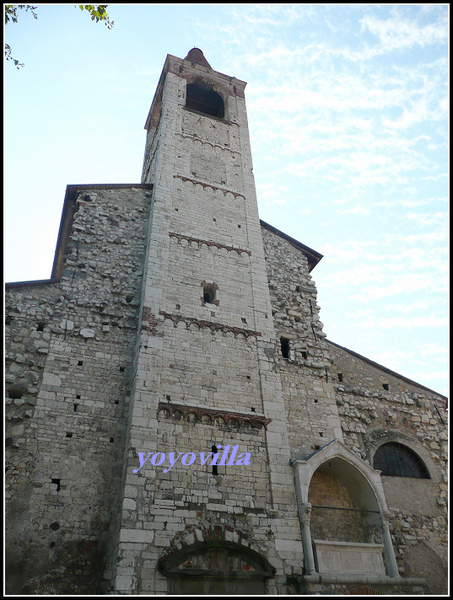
175 321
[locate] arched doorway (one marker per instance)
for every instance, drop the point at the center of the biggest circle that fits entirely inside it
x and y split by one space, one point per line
216 568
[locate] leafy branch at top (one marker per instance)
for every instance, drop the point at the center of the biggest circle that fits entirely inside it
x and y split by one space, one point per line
11 15
11 11
98 13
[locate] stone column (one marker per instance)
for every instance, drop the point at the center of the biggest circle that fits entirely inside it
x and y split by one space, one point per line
305 515
304 510
392 566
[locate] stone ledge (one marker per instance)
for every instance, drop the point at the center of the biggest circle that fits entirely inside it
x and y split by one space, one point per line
209 324
213 187
363 579
208 243
253 421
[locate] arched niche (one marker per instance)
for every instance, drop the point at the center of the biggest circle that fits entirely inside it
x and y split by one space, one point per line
343 503
216 568
363 494
363 481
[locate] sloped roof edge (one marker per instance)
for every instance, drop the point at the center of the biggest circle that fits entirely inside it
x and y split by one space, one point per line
313 256
386 370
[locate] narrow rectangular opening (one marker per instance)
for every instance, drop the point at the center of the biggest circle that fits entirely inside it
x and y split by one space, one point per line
284 343
215 469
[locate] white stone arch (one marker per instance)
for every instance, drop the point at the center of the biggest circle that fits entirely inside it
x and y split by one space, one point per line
369 480
368 490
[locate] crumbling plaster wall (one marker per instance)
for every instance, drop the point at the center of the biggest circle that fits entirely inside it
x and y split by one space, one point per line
69 354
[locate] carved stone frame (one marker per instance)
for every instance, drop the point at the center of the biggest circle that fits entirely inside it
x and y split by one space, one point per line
372 491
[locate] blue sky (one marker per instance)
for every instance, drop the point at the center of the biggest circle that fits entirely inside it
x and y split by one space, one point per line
348 114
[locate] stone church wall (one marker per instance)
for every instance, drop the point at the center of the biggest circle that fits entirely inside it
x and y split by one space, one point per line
309 397
377 406
331 392
155 334
69 363
69 346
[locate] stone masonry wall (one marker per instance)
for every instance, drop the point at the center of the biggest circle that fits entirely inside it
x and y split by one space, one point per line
69 347
312 414
206 370
365 405
157 334
377 406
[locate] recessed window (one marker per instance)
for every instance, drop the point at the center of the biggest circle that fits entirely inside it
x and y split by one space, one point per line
204 100
396 460
385 386
284 344
210 293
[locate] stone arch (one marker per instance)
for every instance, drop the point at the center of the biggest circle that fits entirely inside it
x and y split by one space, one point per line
365 490
341 503
377 437
394 459
369 493
216 567
205 97
421 560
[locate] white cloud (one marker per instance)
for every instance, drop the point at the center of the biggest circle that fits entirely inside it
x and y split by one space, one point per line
428 219
397 32
356 210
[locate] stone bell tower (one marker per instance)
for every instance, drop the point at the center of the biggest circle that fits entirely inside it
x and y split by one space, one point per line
206 379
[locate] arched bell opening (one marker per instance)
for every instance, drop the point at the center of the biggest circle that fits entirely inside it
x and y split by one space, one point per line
204 99
216 568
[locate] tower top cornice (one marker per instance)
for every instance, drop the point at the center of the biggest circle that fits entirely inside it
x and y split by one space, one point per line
194 69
